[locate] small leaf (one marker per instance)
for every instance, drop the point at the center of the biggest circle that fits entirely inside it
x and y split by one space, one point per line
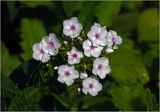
32 31
151 103
148 25
25 100
106 12
9 62
9 89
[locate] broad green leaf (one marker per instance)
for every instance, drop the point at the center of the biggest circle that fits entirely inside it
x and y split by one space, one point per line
151 103
9 89
127 65
69 7
9 62
129 98
106 12
32 31
26 100
34 4
148 25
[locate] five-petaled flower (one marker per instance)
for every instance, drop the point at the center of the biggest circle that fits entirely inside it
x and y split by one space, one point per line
91 49
67 74
74 56
98 34
101 67
91 86
113 39
72 27
51 44
39 53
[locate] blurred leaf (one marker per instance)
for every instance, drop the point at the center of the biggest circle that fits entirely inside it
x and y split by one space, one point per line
32 31
9 62
132 5
26 100
9 89
127 65
151 103
63 99
148 25
129 98
126 22
69 7
12 9
86 14
151 54
34 4
92 101
106 12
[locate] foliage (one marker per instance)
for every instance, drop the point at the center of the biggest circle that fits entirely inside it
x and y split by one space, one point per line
28 85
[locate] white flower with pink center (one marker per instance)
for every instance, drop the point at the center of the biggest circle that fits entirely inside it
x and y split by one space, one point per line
113 39
51 44
74 56
67 74
91 86
91 49
101 67
98 34
72 27
39 53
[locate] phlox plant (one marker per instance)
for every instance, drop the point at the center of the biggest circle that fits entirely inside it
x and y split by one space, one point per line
85 52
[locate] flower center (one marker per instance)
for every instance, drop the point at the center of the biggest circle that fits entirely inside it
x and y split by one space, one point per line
67 73
90 86
73 27
97 35
92 47
100 66
113 40
74 55
41 51
51 44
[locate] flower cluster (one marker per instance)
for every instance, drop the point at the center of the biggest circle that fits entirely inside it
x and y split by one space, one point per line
96 43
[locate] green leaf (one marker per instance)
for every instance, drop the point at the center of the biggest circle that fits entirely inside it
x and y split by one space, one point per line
126 22
92 101
148 25
11 5
129 98
151 103
32 31
69 7
9 89
63 99
127 65
86 14
9 62
34 4
106 12
25 100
